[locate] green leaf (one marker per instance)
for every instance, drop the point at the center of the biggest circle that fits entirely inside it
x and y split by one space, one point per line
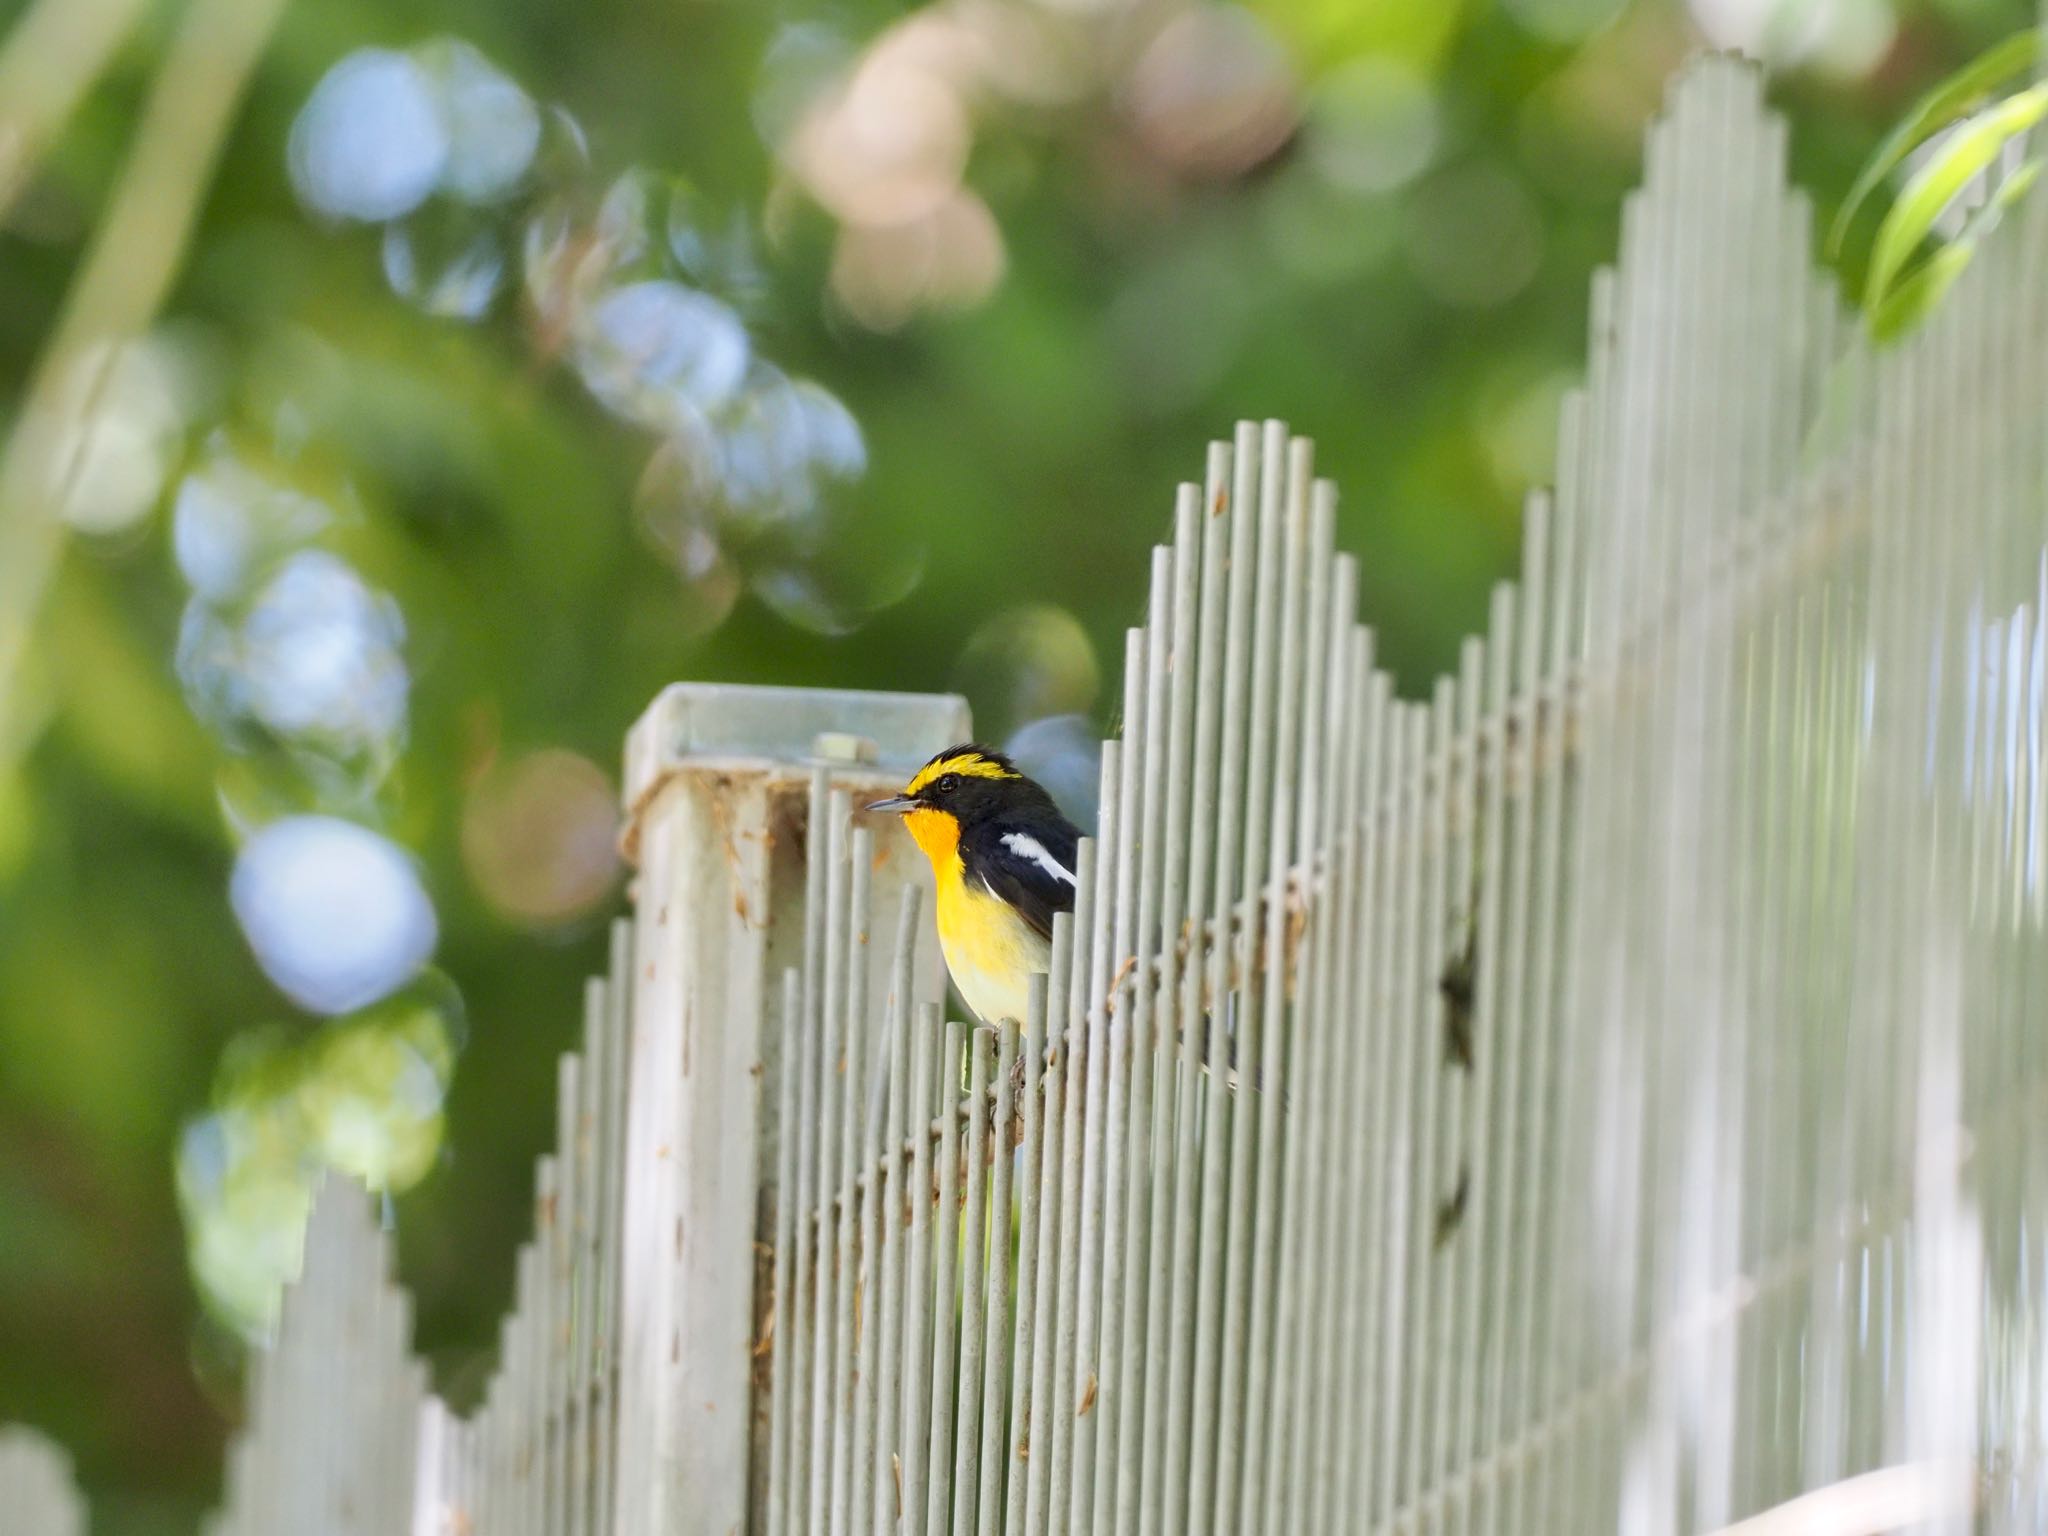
2010 191
1916 294
1969 151
1909 302
1933 112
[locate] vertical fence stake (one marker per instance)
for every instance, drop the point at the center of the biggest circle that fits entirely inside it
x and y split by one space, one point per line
714 787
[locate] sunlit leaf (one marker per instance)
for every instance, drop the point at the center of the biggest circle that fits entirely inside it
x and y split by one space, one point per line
1933 112
1910 301
1968 154
1914 297
2010 191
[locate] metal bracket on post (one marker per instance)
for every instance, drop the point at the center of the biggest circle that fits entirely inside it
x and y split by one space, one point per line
717 804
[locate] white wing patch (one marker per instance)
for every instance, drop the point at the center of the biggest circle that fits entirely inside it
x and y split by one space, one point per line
1025 846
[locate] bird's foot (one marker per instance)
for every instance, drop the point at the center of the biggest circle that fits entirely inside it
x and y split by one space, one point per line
1019 1085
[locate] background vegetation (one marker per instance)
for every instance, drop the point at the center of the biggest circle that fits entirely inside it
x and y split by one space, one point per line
521 358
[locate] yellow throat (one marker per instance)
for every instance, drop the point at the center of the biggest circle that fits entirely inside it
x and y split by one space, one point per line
990 950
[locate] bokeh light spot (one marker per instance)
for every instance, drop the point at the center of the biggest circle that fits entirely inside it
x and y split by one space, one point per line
676 501
335 913
888 144
320 656
656 349
1023 664
245 1195
1214 93
383 131
1841 37
373 1106
492 125
805 60
786 442
1373 125
715 249
1858 38
950 258
803 596
448 266
362 1095
370 142
539 837
1063 753
230 523
744 494
119 418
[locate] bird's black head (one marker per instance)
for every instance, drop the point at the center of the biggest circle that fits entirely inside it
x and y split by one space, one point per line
967 783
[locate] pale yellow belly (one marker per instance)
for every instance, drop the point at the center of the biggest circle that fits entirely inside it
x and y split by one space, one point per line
990 951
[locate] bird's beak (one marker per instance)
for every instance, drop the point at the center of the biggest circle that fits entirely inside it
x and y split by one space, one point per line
893 803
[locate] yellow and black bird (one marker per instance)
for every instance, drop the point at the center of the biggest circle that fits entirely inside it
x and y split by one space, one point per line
1003 857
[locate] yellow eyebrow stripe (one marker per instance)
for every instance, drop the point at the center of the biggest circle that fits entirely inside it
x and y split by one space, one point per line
969 765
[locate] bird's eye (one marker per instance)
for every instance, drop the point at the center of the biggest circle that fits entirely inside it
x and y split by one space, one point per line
948 782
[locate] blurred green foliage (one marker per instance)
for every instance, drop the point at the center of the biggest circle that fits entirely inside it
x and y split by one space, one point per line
1373 218
1964 182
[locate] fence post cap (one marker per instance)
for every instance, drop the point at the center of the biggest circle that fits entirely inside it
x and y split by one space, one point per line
738 729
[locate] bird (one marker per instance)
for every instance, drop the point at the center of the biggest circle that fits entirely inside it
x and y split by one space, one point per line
1002 855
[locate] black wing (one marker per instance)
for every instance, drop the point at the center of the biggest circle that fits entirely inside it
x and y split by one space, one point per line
1028 864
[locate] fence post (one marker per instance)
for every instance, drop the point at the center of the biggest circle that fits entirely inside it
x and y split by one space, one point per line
334 1401
717 786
